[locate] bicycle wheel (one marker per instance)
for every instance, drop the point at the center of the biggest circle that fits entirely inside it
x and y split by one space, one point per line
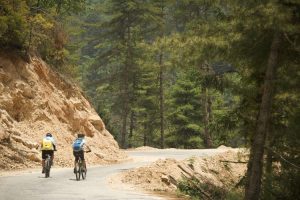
77 170
47 167
83 172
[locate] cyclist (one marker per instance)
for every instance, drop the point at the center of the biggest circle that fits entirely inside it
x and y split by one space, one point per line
48 146
79 146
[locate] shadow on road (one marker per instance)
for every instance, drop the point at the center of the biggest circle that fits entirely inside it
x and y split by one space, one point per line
44 176
72 179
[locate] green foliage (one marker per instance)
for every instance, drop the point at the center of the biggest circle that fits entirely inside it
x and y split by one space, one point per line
14 27
146 107
197 189
120 47
117 46
201 190
35 27
117 49
185 114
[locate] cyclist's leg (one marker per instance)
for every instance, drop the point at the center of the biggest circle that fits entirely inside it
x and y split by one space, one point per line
76 159
43 160
52 156
82 158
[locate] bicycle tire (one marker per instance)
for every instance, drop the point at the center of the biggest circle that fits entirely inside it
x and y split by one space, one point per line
47 167
80 170
83 173
77 174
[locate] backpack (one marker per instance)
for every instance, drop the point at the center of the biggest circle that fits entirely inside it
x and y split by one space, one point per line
47 144
78 144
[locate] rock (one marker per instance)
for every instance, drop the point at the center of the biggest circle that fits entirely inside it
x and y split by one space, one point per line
14 132
29 144
4 77
34 157
1 88
98 124
41 115
4 135
5 119
224 147
28 92
100 155
165 179
173 180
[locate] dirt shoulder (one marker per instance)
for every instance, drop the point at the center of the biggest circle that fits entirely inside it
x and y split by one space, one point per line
163 176
143 148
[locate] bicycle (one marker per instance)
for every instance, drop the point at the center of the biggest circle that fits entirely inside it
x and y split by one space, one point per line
48 164
80 169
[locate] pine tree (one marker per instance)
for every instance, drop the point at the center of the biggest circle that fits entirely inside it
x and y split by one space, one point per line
147 104
125 25
186 132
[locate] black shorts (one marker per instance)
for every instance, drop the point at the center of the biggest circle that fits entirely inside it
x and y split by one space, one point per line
78 154
45 152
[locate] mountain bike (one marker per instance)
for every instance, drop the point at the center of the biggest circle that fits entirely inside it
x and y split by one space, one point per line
80 169
48 164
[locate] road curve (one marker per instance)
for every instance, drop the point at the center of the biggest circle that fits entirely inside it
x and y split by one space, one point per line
62 184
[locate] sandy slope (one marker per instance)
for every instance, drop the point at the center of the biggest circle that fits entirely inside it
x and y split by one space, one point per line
164 174
35 100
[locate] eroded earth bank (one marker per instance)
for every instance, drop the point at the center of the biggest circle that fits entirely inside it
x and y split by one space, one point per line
223 172
34 100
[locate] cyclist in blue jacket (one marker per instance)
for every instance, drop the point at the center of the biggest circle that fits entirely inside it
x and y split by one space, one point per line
79 146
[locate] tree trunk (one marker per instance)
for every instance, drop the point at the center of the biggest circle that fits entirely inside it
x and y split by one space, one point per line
269 168
145 135
255 164
161 82
131 129
209 113
125 107
125 85
124 131
132 113
206 111
161 100
268 180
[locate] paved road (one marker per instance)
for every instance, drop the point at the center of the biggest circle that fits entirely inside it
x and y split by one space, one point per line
63 186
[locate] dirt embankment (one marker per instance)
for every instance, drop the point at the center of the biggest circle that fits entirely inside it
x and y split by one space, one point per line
224 170
35 100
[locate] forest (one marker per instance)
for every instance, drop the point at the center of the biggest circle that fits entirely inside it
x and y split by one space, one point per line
180 73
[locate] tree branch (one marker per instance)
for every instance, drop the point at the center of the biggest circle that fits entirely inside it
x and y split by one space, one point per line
282 158
238 162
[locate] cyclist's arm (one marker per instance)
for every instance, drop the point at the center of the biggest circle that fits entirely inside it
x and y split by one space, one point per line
88 149
54 144
41 145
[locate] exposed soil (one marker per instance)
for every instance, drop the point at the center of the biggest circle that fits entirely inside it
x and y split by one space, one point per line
143 148
34 100
165 174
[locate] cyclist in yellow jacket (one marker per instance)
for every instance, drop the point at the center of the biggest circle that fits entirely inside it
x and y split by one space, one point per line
48 146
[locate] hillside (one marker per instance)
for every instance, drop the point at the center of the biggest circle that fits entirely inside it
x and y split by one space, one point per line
35 100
